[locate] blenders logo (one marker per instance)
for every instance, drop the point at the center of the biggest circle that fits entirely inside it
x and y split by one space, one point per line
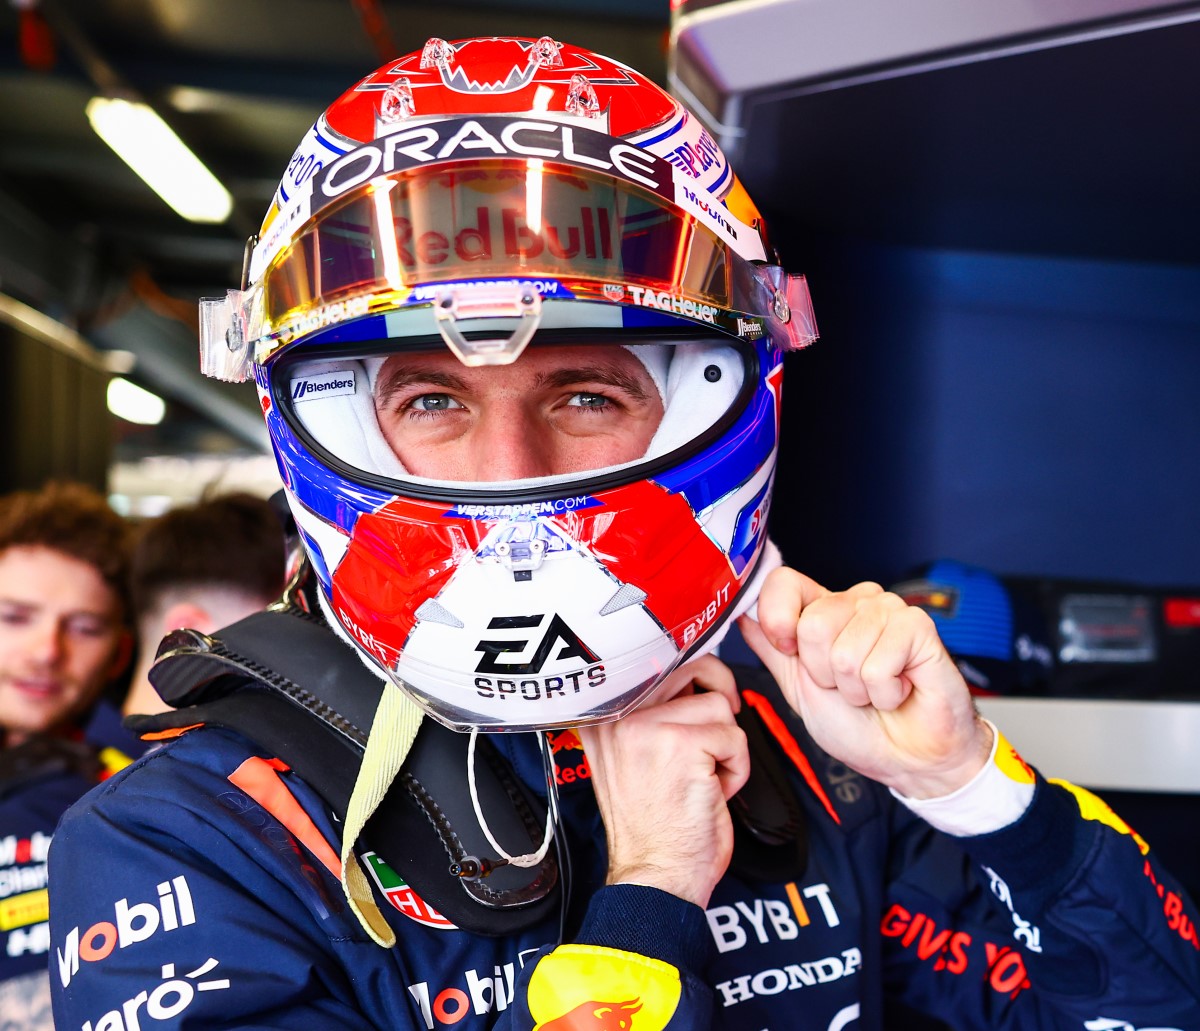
557 643
495 137
750 329
328 384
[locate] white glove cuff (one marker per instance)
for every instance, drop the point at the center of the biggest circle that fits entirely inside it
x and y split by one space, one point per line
994 798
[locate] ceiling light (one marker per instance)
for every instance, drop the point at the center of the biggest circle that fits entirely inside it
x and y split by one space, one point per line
130 402
150 147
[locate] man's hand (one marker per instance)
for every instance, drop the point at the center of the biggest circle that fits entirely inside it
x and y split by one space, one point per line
872 681
662 776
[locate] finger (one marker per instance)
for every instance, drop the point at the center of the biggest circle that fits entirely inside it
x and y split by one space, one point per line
784 596
872 651
910 655
707 673
720 749
831 647
704 730
733 762
776 662
684 709
716 707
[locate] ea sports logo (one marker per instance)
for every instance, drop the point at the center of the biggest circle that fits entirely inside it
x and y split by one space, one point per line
558 642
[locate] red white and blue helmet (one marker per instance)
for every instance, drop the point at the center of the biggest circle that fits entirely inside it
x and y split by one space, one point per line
485 196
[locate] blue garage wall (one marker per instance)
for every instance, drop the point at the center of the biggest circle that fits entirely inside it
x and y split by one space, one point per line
1028 414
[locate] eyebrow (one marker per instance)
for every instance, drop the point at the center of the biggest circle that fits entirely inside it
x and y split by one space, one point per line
27 605
595 374
400 378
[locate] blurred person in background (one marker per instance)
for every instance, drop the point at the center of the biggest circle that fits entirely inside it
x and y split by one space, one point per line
201 566
64 637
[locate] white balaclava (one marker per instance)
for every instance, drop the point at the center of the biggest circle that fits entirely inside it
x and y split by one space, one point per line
694 397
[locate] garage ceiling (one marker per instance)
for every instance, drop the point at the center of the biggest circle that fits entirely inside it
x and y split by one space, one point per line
83 239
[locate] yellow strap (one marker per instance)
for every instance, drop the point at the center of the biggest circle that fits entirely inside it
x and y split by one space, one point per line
392 733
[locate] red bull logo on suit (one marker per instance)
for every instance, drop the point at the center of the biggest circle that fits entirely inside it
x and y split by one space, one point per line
596 1016
588 988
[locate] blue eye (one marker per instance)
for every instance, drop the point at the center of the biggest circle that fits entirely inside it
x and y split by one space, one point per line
434 403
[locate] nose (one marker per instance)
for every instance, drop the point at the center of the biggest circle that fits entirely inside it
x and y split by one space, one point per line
46 643
510 443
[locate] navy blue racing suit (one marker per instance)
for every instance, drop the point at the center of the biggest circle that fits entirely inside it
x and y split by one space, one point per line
199 888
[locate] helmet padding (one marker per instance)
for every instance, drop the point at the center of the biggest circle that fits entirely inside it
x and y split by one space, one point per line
698 384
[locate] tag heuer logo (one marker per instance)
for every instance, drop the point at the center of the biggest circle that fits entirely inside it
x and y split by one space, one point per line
400 895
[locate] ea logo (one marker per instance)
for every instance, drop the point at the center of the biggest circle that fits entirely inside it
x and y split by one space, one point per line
556 633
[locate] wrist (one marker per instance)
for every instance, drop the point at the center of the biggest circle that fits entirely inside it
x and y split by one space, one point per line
995 797
950 775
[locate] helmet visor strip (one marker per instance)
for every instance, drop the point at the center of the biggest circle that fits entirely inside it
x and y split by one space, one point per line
391 241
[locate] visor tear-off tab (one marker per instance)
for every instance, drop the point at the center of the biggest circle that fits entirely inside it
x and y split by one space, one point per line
488 301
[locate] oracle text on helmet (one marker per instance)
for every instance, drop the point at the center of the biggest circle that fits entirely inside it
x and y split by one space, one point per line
451 140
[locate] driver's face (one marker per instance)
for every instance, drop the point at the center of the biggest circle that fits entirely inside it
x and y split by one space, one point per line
555 410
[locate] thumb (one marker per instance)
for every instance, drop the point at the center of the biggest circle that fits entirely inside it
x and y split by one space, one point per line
777 662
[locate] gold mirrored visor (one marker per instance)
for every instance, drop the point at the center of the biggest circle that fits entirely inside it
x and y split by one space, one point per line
384 244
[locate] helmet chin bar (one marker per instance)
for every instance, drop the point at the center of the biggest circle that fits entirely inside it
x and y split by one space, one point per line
488 301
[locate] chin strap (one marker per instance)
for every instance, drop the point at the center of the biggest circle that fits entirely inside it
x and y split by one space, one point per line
392 734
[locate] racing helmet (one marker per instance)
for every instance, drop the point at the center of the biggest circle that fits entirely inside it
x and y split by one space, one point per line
504 201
